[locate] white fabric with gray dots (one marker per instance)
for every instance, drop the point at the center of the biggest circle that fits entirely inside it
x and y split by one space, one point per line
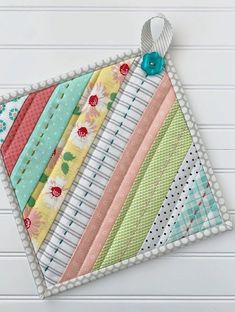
170 203
180 204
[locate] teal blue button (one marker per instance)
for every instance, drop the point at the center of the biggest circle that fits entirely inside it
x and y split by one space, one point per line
152 63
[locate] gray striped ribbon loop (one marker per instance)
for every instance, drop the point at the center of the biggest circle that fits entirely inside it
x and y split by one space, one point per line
164 38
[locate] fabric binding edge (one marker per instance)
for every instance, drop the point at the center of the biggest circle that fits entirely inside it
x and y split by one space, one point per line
68 76
43 290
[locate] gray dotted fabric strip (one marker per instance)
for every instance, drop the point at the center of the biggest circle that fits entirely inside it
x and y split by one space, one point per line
169 204
180 204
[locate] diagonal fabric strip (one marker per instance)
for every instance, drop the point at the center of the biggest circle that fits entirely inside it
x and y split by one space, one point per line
22 129
57 153
82 136
20 116
83 198
45 137
126 185
8 113
199 212
179 204
169 204
132 147
111 216
150 191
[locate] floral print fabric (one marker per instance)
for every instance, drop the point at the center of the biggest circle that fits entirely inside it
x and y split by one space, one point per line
58 150
45 137
8 113
86 126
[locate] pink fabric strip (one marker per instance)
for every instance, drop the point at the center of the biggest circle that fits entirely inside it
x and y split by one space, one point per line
21 131
95 225
17 122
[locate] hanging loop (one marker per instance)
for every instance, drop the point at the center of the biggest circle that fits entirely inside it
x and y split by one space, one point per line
162 42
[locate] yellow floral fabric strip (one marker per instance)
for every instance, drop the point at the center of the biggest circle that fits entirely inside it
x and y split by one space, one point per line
57 152
76 147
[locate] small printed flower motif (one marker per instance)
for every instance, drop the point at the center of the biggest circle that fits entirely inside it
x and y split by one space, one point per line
16 99
86 94
82 134
54 190
96 102
13 113
32 221
3 126
152 63
2 108
56 154
27 223
120 71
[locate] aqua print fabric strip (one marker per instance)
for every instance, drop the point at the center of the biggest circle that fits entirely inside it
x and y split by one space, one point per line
179 204
50 127
200 210
8 113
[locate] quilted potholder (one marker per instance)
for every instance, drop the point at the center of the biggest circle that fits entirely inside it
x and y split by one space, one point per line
105 168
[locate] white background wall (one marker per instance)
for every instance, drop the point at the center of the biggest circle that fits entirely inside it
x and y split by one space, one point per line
42 38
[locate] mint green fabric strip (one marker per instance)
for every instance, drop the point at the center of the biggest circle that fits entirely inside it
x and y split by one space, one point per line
200 210
135 187
151 191
45 137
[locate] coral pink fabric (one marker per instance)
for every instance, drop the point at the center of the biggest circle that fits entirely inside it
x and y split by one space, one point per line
17 122
23 126
114 195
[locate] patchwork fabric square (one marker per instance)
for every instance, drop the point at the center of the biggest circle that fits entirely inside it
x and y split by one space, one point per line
104 167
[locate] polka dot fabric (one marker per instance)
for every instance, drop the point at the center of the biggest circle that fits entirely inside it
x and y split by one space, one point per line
169 204
24 125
